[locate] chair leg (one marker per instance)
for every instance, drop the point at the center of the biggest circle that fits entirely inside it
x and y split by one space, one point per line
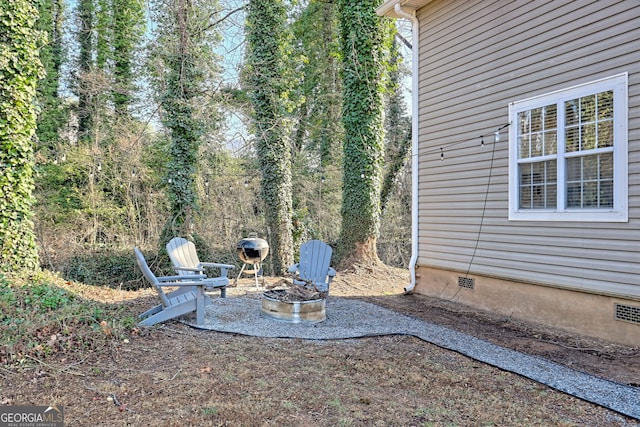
151 311
200 303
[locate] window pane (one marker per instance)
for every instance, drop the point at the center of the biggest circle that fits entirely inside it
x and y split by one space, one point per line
590 195
536 120
538 197
590 168
524 146
606 194
550 143
574 169
588 109
525 186
550 117
523 123
525 174
605 134
572 139
572 116
525 197
573 195
605 105
588 136
538 175
552 195
552 171
606 166
536 144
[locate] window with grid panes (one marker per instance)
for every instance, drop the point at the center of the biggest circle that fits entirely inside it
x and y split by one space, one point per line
568 154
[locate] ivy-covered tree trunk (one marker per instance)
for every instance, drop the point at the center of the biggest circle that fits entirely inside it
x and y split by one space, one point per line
397 129
267 44
128 27
85 12
185 68
179 117
103 23
316 31
362 118
52 116
21 69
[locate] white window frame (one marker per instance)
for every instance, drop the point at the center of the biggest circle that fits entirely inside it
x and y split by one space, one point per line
619 212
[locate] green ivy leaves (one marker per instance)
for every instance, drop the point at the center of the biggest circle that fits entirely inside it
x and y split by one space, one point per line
21 69
362 117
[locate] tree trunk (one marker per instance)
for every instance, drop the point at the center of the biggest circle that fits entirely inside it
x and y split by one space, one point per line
20 73
362 36
267 80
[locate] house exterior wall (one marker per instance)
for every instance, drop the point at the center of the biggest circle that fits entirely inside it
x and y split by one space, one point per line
477 57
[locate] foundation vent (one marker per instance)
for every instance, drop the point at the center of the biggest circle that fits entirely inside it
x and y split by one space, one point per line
628 313
466 282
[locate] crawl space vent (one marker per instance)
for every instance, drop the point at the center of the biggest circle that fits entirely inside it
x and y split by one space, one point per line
628 313
466 282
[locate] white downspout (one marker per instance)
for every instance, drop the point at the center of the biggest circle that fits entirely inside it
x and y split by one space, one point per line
411 16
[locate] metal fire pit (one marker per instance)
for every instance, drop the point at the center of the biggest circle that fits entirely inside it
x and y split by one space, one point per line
275 306
252 251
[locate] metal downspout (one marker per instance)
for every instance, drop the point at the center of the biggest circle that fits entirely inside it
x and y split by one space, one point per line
410 16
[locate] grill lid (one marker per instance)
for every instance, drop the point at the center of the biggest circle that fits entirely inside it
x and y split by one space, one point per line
252 250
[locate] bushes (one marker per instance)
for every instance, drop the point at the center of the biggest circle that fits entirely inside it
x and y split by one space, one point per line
105 268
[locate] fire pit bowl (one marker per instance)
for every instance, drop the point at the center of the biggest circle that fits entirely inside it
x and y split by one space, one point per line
252 250
275 306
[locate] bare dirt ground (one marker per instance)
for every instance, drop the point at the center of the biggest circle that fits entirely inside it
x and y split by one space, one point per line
173 375
597 357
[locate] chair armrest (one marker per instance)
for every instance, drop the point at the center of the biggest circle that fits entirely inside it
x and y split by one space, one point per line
216 265
178 269
223 267
330 275
190 277
187 283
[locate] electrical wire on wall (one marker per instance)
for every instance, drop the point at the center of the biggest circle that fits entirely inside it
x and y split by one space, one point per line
486 196
496 139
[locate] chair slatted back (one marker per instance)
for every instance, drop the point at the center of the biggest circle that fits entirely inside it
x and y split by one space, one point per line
148 274
183 254
315 257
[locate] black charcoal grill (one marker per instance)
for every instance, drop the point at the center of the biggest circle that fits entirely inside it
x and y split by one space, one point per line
252 251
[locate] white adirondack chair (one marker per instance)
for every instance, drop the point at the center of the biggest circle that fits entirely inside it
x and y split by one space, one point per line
315 257
187 298
185 261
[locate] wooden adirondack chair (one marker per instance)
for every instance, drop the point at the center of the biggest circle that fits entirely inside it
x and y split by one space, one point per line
187 298
315 257
185 261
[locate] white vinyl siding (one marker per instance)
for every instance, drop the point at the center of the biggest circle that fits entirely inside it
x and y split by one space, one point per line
568 154
476 58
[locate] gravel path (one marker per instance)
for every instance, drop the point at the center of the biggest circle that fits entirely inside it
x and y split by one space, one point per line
350 318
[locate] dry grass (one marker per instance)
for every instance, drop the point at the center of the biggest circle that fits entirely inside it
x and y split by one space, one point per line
178 376
173 375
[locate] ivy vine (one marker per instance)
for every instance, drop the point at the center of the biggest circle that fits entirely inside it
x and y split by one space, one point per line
269 77
20 69
362 41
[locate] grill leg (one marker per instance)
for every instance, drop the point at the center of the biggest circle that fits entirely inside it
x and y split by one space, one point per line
235 282
256 269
